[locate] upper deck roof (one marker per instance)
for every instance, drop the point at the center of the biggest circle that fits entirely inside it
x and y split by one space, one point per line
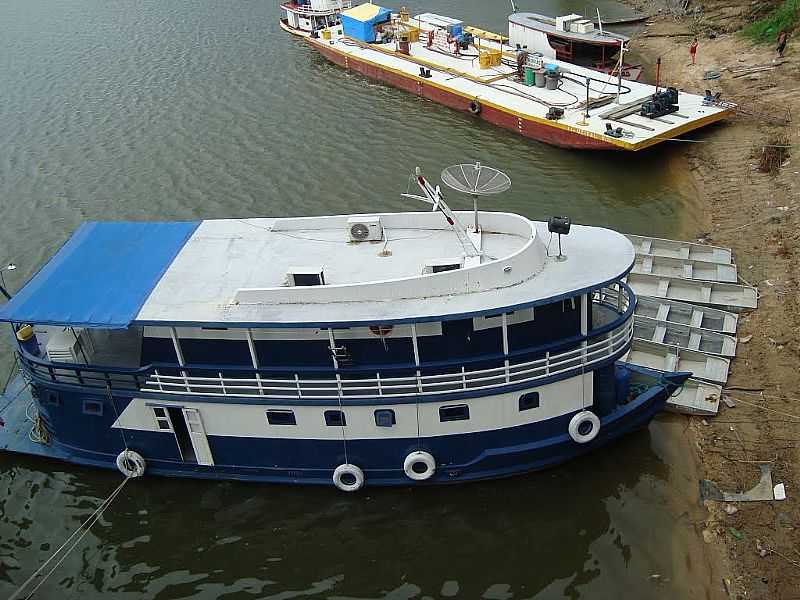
233 272
548 25
101 276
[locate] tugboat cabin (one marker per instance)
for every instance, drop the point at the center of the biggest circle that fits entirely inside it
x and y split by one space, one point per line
573 39
305 17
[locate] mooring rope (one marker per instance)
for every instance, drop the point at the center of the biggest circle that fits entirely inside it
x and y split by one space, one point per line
85 527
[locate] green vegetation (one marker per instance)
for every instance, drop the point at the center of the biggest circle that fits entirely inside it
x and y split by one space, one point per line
785 16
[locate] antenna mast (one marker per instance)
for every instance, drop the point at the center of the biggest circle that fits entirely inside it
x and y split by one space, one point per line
434 196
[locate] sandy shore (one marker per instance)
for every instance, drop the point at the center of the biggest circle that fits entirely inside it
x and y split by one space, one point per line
754 548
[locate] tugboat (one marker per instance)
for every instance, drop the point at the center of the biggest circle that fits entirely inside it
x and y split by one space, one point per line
368 349
572 39
304 17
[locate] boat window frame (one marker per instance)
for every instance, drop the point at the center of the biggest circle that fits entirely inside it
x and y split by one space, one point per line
281 412
98 412
450 412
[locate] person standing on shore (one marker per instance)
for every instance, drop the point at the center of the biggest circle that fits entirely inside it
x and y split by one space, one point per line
782 37
693 50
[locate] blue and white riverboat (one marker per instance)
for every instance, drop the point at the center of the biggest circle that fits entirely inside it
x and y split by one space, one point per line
369 349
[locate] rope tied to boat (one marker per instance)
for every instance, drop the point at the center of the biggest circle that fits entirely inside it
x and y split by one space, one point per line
67 547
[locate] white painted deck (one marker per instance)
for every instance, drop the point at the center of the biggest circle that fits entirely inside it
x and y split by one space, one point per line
459 75
234 271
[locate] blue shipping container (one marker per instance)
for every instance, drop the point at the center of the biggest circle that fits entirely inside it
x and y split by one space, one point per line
359 22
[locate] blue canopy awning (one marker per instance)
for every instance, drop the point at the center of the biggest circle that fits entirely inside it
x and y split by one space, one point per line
101 276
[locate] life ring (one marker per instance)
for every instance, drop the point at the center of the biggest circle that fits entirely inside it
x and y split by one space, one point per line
131 464
348 478
474 108
419 466
381 330
584 427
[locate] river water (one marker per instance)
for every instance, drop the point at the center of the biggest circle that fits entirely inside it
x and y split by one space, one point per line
145 109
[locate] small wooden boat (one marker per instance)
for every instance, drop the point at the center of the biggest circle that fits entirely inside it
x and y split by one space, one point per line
684 268
696 398
684 336
682 250
687 314
671 358
723 295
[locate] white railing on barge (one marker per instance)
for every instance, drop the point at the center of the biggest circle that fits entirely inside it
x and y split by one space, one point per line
581 357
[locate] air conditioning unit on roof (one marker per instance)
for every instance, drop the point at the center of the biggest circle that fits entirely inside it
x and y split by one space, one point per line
365 229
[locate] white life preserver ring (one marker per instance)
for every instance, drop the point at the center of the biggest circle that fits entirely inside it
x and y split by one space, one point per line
131 464
419 466
348 478
584 427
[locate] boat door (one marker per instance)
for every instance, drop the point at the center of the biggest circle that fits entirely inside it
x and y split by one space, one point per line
197 434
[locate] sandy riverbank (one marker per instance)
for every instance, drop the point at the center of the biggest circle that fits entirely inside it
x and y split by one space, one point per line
756 549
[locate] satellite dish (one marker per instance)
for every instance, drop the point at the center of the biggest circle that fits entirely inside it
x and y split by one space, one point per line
476 180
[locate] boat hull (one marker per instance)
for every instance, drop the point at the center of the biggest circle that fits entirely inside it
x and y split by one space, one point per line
474 456
544 132
289 29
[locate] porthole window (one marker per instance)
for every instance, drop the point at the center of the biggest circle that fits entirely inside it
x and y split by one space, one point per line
281 417
335 418
385 418
93 407
529 401
458 412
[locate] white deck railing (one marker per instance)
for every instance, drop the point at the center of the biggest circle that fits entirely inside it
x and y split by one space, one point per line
307 10
609 344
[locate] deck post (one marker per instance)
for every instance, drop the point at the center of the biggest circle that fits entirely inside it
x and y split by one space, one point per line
177 345
252 346
504 320
415 343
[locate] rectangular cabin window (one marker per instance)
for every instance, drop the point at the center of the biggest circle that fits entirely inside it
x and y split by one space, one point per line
281 417
458 412
305 276
335 418
51 397
307 279
385 418
529 401
443 268
93 407
161 418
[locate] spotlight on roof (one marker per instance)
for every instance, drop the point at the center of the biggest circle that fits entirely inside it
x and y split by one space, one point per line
559 226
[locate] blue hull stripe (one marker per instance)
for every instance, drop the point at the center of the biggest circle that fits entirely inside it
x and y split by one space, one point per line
461 457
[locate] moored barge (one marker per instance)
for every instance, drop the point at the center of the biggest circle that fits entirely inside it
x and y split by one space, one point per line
542 98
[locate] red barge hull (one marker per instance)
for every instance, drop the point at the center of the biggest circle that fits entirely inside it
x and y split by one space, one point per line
550 133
